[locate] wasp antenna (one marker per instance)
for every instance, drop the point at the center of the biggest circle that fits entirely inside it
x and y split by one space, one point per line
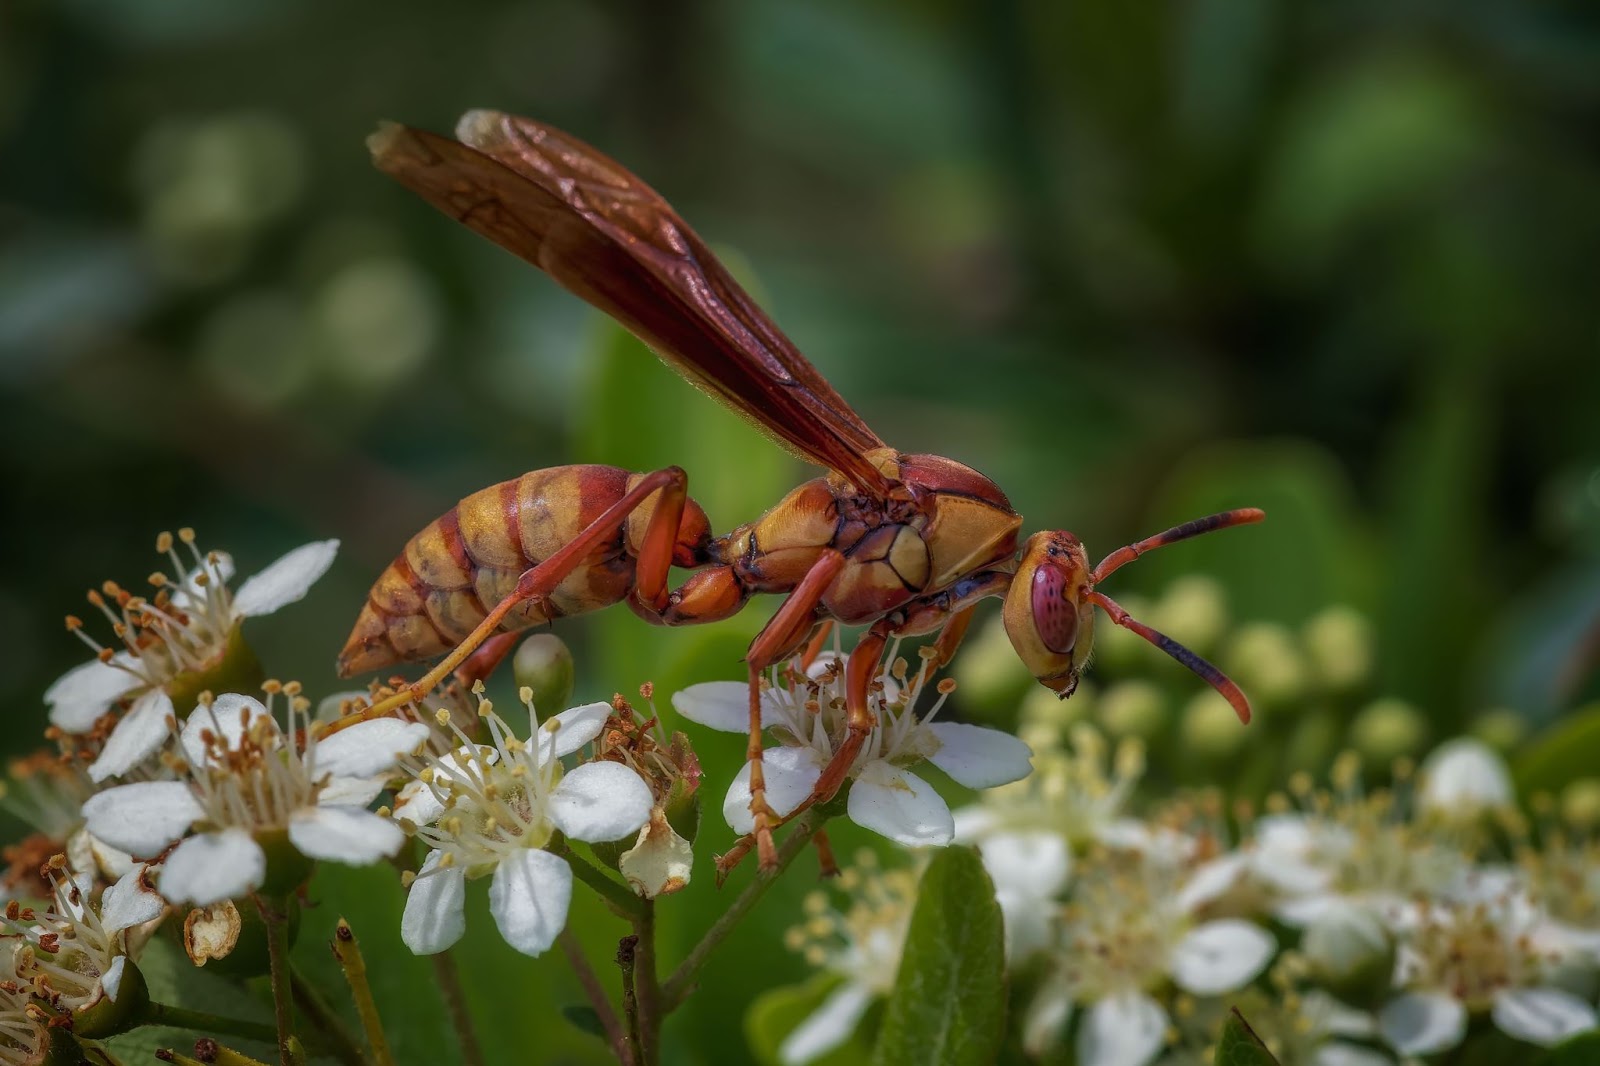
1214 677
1123 556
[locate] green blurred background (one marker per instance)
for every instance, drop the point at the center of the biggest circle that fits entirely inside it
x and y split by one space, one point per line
1135 262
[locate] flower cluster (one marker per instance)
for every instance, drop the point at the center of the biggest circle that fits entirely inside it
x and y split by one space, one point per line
805 713
1384 921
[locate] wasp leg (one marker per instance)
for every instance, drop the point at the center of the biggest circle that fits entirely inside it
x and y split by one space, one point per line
825 859
788 627
487 659
818 640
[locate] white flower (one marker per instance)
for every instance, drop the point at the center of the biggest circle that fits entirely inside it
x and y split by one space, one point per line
492 809
807 715
74 954
1126 933
1345 845
1463 778
1476 958
1562 878
861 944
183 628
246 783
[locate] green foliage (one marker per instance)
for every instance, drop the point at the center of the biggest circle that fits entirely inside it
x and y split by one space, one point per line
1239 1045
1565 752
949 999
1581 1050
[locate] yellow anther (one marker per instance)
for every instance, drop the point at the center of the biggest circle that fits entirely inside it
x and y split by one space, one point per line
163 542
186 534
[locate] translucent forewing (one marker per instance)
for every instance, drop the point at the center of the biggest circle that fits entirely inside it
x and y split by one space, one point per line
610 239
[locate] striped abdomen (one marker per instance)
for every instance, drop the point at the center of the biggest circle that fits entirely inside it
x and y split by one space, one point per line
453 572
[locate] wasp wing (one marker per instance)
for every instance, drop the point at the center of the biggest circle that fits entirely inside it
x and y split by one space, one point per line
610 239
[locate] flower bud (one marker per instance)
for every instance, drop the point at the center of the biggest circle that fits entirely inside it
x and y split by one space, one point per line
1502 729
1210 728
1580 803
543 663
1388 729
1193 611
1350 951
990 675
1133 709
1263 659
1338 642
660 860
1463 778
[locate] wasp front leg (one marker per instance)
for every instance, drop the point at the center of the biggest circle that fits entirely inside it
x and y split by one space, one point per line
787 629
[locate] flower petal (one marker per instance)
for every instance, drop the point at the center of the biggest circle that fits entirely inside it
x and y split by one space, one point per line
144 817
826 1027
1217 957
1422 1023
1029 921
87 691
721 705
529 897
351 791
974 823
130 902
435 914
660 861
900 805
368 748
600 801
286 580
565 733
1032 863
111 980
1047 1014
790 774
1127 1029
139 735
227 720
1542 1016
1211 880
211 867
350 835
1463 777
979 757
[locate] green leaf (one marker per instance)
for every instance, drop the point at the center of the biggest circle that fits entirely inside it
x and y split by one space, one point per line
1240 1046
778 1012
1581 1050
583 1017
949 1000
1566 751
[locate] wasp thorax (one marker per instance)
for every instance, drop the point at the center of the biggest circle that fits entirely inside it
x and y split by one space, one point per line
1049 621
